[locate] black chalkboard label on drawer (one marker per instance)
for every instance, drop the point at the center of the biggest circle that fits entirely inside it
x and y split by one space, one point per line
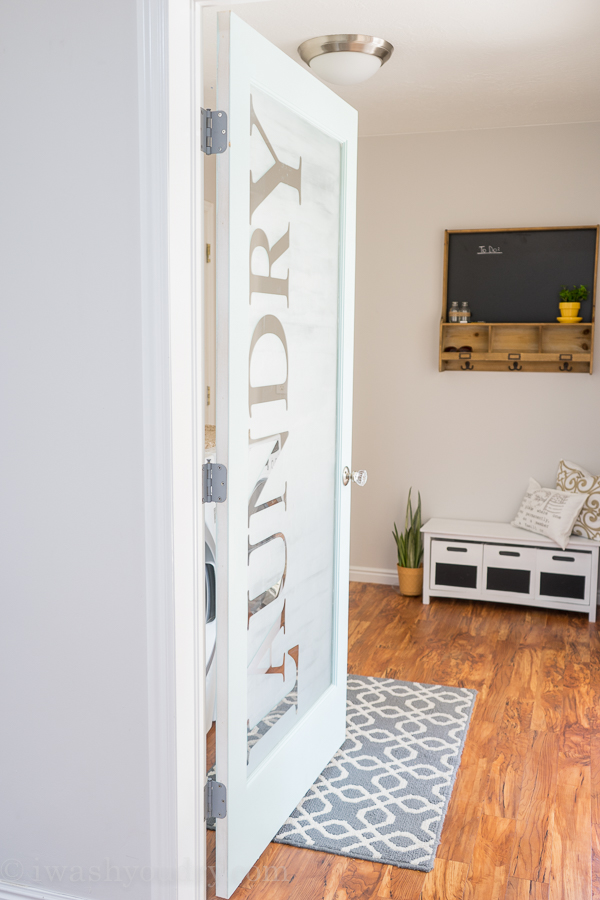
513 581
516 276
557 584
450 575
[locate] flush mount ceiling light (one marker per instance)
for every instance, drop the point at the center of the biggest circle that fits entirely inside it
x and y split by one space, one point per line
345 58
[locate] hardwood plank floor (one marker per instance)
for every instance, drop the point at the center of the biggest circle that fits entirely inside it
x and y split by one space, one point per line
523 822
532 853
488 874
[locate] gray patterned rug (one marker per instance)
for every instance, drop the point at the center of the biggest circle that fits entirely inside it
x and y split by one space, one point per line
384 795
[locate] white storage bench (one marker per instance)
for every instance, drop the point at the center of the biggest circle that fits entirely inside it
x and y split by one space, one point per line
495 561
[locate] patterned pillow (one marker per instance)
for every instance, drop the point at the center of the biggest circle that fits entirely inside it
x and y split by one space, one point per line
549 512
575 480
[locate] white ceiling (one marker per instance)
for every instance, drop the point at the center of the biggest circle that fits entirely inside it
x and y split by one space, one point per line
458 64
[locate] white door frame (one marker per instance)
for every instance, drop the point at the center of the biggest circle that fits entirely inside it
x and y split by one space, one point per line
170 82
171 246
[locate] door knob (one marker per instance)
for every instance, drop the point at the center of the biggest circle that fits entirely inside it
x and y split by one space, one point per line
359 477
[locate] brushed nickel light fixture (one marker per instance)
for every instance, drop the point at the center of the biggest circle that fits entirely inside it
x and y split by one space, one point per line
345 58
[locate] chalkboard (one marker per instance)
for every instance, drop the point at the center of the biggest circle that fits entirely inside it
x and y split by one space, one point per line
516 276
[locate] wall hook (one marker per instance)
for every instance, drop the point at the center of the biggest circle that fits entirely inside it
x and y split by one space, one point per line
468 366
515 367
565 367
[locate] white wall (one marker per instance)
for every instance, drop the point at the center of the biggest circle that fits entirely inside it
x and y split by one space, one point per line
467 440
74 746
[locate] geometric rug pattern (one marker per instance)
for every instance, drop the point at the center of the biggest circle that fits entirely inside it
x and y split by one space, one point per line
384 795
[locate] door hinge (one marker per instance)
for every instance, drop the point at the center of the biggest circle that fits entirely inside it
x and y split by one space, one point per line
214 131
214 483
215 800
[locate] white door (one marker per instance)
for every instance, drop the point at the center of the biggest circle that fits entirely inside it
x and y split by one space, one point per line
285 298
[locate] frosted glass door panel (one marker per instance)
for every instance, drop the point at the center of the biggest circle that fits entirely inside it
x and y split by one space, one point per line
292 337
285 290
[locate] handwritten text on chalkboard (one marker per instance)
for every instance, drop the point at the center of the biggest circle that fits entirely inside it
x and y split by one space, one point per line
484 251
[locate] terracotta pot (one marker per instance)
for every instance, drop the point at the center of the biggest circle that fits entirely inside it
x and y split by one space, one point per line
410 581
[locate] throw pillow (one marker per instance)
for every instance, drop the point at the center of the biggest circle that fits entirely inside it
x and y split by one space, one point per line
575 480
549 512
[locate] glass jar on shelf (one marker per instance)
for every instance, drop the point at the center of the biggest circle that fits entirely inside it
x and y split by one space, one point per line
464 313
453 312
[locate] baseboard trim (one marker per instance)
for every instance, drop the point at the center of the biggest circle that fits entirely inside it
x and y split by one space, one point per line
374 576
11 891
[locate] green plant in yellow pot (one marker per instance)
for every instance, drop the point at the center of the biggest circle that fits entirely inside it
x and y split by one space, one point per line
410 551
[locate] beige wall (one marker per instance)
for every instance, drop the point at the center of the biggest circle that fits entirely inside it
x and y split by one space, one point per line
75 774
467 440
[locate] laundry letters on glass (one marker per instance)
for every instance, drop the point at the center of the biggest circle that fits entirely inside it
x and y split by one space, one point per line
273 662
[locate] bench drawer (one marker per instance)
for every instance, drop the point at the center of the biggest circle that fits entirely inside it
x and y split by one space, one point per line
564 575
509 570
456 565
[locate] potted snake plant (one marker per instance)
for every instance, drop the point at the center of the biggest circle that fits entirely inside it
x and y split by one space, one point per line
410 551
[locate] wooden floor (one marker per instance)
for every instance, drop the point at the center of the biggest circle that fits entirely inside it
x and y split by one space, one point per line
524 817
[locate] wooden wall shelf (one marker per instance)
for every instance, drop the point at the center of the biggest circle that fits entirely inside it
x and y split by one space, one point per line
499 346
509 346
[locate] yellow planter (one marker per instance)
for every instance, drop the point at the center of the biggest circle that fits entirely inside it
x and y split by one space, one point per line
410 581
569 309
